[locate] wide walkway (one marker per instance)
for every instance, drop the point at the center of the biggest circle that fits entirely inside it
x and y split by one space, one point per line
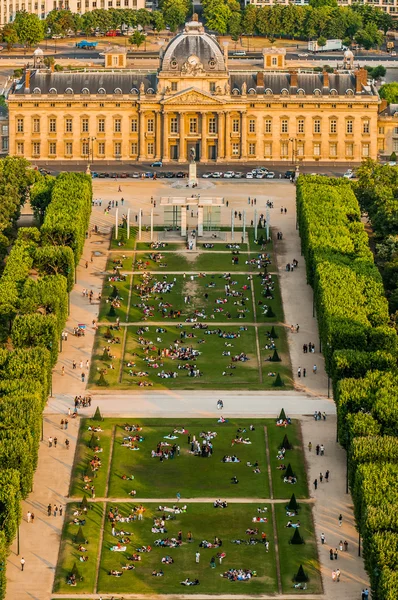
39 542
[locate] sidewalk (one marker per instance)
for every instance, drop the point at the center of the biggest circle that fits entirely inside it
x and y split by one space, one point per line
40 541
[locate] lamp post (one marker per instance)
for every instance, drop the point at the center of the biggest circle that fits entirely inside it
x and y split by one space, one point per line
292 140
87 140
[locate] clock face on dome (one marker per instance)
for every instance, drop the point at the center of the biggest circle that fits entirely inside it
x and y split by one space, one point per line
193 60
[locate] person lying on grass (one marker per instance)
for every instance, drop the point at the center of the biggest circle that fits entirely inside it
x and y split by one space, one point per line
128 567
230 459
157 573
174 509
134 557
294 525
205 544
115 573
219 504
188 581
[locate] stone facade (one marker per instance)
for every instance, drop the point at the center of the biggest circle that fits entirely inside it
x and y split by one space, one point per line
195 99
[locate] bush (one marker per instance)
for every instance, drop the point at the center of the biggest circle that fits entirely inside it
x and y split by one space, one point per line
270 313
282 415
112 311
296 538
278 382
286 444
80 538
301 576
288 472
293 504
273 333
275 357
102 381
97 415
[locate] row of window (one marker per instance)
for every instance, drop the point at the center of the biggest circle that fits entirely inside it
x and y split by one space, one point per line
193 125
87 4
235 149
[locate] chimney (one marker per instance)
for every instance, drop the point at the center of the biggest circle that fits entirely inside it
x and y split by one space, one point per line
260 79
325 79
293 79
27 81
361 78
383 105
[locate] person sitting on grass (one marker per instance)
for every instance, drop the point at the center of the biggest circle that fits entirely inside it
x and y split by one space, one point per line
126 478
251 531
167 560
134 557
219 504
281 467
188 581
115 573
128 567
234 479
83 558
157 573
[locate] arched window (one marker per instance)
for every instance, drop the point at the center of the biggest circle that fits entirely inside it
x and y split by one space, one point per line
118 91
333 92
349 92
269 92
69 90
317 92
52 91
236 92
134 91
85 91
284 92
300 92
37 90
102 90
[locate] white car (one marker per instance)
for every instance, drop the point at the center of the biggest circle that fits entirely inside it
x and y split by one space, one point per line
238 175
249 175
260 175
303 55
349 174
392 163
270 175
216 175
229 174
206 175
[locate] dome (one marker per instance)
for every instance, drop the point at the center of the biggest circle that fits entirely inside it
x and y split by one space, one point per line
193 51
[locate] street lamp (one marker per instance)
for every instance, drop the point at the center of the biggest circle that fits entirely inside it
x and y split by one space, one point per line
87 141
292 140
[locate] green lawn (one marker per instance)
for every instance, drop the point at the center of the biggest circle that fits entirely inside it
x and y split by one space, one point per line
84 453
170 261
205 522
274 302
122 243
292 556
109 362
294 457
127 262
122 288
193 476
282 348
69 553
211 362
168 246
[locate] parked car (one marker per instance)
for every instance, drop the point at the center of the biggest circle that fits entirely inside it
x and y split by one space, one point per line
289 174
238 175
94 174
149 175
270 175
170 174
229 174
249 175
216 175
240 53
303 55
135 175
157 163
349 174
180 174
207 175
123 175
260 175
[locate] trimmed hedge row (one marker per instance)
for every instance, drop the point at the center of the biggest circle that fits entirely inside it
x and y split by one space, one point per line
35 312
361 357
348 291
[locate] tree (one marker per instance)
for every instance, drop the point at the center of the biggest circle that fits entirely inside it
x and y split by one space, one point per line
275 357
174 13
137 39
301 576
249 19
112 311
158 21
9 35
293 504
286 444
97 415
29 27
235 25
389 92
296 538
322 42
282 415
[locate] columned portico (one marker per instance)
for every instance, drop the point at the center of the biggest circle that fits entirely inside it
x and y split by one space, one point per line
158 140
204 150
182 151
243 141
220 133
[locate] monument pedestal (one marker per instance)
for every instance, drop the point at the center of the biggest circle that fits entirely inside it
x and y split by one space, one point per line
192 176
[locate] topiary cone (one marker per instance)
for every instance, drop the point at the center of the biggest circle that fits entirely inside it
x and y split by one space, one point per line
270 313
288 472
97 415
297 538
293 504
93 441
114 293
112 311
282 415
278 381
84 503
286 444
80 537
273 333
275 356
301 576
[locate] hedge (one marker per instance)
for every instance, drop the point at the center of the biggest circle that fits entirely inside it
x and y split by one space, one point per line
68 214
372 449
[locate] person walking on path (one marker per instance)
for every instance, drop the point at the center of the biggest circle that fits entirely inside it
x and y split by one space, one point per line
22 563
197 557
55 442
29 516
83 376
49 509
323 538
340 520
327 476
338 573
321 477
333 576
299 372
345 546
314 369
317 447
55 510
32 516
60 511
50 442
66 423
322 450
67 444
335 554
304 372
178 496
309 446
315 484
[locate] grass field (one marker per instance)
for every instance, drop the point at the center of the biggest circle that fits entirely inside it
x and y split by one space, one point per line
209 479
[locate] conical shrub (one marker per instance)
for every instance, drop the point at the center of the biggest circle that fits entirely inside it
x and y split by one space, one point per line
297 538
80 537
75 571
112 311
105 354
273 333
270 313
102 381
288 472
93 441
282 415
84 504
293 504
275 356
301 576
278 381
97 415
114 293
286 444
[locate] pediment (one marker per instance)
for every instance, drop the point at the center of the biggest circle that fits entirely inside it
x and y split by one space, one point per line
192 96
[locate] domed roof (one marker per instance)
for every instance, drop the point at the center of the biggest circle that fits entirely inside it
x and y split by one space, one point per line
195 44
